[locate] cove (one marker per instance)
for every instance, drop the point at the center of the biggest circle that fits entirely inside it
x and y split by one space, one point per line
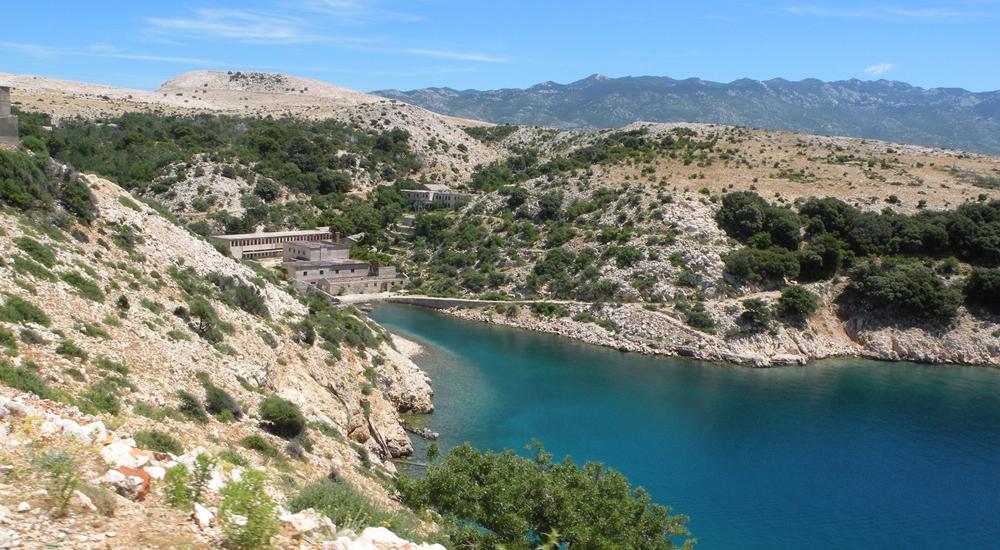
836 454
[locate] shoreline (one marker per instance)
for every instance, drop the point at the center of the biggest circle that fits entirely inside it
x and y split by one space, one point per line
760 351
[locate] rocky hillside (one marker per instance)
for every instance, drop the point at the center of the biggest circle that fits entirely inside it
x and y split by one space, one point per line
621 230
143 347
888 110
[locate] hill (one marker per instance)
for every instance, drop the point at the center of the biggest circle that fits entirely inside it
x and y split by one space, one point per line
885 110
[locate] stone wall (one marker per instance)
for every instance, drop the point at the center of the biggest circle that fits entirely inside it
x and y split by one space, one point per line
8 123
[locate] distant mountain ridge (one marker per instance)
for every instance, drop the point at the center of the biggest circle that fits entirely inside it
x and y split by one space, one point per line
881 109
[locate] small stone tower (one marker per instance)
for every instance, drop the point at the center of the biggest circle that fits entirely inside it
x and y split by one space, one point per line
8 123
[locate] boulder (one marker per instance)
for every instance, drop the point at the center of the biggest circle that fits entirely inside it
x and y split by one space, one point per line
202 516
123 453
310 523
128 482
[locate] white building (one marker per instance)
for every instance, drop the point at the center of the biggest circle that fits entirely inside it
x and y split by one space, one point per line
269 245
437 194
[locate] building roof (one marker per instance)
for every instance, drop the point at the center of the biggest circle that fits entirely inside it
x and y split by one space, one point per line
436 187
333 262
297 233
319 245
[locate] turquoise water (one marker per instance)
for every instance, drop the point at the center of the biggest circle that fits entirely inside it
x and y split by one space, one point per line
838 454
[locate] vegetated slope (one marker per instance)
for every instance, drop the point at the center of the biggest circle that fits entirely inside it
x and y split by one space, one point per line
629 222
110 307
258 95
887 110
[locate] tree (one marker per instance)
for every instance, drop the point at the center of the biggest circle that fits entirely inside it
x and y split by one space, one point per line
756 315
281 417
203 319
983 288
590 507
796 303
904 288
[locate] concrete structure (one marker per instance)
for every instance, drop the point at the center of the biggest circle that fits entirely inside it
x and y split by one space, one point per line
327 265
435 194
314 251
8 123
269 245
379 279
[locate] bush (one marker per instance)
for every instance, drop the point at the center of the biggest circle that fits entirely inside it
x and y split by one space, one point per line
153 440
62 471
281 417
191 407
24 379
796 303
744 215
17 310
596 506
175 487
37 251
69 348
905 289
258 443
84 286
101 397
756 315
247 499
982 288
759 266
345 506
218 402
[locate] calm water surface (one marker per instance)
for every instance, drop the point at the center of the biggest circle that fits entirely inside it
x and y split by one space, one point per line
839 454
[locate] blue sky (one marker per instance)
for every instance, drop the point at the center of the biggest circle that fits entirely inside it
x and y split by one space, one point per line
375 44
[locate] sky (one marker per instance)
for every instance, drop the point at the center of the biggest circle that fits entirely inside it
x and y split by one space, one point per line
382 44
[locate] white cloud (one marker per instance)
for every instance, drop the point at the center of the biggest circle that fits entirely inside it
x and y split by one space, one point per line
460 56
884 12
101 51
879 68
237 24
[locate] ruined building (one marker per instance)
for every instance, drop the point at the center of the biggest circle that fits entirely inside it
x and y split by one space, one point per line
8 122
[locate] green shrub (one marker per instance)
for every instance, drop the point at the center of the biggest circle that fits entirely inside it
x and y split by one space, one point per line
101 397
191 407
39 252
69 348
218 402
25 379
233 457
17 310
258 443
759 266
109 365
796 303
62 472
247 499
982 288
281 417
745 216
153 440
904 289
756 315
84 286
596 506
345 506
175 487
8 341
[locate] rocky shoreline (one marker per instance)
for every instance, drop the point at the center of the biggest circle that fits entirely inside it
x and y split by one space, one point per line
825 336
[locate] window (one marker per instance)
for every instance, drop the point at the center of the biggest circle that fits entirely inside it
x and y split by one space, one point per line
305 273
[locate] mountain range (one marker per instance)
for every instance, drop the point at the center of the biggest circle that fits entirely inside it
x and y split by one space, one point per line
882 109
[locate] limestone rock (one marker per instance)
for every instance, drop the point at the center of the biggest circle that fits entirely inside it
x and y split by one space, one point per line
202 516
